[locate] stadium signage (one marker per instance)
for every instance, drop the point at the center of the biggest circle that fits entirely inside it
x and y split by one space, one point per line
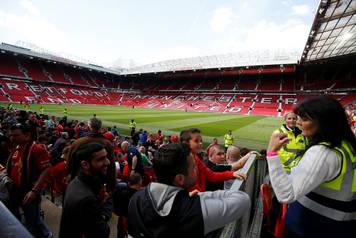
67 94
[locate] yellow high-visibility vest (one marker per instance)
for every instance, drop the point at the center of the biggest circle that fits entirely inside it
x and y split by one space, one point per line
288 153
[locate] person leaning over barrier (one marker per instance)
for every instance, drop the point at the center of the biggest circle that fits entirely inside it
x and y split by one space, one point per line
166 209
297 143
321 188
217 163
234 158
193 138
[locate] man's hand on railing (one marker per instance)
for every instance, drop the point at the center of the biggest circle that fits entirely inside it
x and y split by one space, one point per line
241 162
240 176
254 153
193 193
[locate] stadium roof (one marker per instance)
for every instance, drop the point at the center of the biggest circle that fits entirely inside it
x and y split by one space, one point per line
50 57
333 32
256 58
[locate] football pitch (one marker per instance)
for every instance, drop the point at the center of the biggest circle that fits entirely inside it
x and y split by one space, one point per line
250 131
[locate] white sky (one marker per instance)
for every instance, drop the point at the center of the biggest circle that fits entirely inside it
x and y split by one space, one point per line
148 31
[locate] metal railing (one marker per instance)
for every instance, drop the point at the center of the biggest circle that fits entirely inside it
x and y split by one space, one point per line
251 223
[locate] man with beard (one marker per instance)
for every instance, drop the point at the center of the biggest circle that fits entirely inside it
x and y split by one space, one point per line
82 214
167 209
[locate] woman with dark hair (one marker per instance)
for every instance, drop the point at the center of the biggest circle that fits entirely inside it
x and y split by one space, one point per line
321 188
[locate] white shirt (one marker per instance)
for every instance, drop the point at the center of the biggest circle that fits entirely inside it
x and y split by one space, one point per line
319 164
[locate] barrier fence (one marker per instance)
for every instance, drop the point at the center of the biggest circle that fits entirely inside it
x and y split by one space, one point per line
250 224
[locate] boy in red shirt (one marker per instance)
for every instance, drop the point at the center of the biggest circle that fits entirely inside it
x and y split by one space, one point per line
193 138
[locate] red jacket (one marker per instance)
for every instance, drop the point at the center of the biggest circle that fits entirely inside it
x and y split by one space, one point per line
206 174
34 158
57 175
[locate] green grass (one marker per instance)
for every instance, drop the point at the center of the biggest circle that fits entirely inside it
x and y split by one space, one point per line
250 131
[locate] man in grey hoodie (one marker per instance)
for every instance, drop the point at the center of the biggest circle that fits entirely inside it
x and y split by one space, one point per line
166 209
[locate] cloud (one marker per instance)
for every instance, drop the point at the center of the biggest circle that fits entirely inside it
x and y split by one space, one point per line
285 3
30 7
222 18
300 10
34 28
270 35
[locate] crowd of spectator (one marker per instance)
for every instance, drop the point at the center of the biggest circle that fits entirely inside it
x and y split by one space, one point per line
161 185
86 166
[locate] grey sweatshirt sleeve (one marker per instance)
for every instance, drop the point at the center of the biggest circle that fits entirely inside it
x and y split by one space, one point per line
222 207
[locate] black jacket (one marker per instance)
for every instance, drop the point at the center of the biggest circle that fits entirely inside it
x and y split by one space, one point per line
82 212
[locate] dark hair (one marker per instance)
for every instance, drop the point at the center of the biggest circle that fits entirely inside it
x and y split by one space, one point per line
330 118
95 124
83 152
185 135
135 179
169 161
25 128
244 151
4 139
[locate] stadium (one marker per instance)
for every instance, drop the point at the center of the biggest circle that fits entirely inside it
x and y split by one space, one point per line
248 93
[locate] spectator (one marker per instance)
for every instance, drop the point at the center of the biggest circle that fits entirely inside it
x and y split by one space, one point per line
82 214
217 163
159 135
28 166
58 175
165 141
174 138
60 127
77 129
295 146
56 151
233 157
166 209
150 140
193 138
143 138
94 135
34 126
136 137
214 142
22 116
115 131
145 160
319 188
122 197
156 145
49 123
133 158
110 137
